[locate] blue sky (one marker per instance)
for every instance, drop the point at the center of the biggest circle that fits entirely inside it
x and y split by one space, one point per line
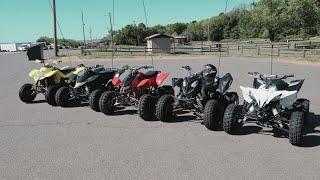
26 20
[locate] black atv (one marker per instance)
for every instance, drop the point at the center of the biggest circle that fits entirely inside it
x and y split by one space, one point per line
88 87
202 93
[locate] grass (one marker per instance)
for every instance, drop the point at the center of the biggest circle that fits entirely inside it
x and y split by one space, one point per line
313 56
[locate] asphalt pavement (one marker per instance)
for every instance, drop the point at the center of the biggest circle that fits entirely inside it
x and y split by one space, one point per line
38 141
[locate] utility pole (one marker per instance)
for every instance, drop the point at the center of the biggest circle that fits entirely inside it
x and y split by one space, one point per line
55 41
111 29
113 12
84 34
208 32
90 31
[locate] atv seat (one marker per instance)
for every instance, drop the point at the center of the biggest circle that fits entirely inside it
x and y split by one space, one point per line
151 74
295 85
66 70
107 71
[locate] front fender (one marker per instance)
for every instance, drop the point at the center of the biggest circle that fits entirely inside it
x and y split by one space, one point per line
34 73
116 81
161 77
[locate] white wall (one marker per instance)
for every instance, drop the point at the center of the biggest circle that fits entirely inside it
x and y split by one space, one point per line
9 47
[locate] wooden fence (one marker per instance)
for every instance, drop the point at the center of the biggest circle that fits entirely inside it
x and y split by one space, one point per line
258 49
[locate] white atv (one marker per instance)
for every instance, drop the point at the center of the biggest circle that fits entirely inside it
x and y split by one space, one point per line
272 102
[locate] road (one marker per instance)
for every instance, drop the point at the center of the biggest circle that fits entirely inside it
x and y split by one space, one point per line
38 141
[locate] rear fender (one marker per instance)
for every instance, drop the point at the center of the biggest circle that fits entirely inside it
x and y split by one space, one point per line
161 77
93 78
146 83
57 75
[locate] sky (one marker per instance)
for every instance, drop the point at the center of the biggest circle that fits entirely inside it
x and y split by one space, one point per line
26 20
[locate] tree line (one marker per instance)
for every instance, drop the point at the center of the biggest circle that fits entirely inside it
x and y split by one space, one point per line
268 19
62 42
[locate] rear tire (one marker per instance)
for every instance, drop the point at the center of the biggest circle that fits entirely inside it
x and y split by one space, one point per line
147 107
63 96
211 118
230 121
296 128
164 108
26 93
94 100
51 94
106 103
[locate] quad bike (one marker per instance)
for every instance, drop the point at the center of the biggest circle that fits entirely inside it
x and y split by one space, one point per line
48 80
272 102
87 87
131 86
202 93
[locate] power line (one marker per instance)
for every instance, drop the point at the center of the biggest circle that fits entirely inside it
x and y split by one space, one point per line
145 13
59 27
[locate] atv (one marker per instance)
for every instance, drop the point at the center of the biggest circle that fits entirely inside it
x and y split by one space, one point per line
202 93
48 80
273 103
132 85
87 87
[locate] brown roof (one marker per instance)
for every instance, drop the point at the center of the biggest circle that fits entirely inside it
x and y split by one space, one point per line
158 36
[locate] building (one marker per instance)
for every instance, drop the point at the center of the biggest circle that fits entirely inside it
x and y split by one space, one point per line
159 43
9 47
181 40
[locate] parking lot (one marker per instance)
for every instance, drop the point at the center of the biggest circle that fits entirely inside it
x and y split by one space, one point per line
38 141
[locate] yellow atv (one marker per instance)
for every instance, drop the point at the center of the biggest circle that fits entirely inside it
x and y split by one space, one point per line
48 80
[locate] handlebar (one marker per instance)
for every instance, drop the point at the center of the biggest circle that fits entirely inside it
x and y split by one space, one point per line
188 68
141 67
266 77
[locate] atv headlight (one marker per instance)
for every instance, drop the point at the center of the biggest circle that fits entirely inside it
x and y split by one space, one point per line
194 84
252 97
184 83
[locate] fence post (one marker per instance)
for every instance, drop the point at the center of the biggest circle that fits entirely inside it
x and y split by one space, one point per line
228 50
242 49
258 49
210 48
304 53
278 51
201 50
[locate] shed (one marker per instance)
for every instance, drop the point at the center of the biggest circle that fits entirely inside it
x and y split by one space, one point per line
181 40
159 43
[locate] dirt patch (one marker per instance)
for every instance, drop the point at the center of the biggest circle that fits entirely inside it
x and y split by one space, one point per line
292 60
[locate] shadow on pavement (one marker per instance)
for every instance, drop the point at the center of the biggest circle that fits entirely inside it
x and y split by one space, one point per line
247 130
124 112
38 102
183 118
312 140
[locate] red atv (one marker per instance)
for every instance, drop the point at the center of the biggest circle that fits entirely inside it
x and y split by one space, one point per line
134 85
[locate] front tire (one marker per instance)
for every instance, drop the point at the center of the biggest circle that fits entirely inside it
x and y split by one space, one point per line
296 128
164 108
211 116
26 93
230 119
63 96
106 103
94 100
50 95
147 107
